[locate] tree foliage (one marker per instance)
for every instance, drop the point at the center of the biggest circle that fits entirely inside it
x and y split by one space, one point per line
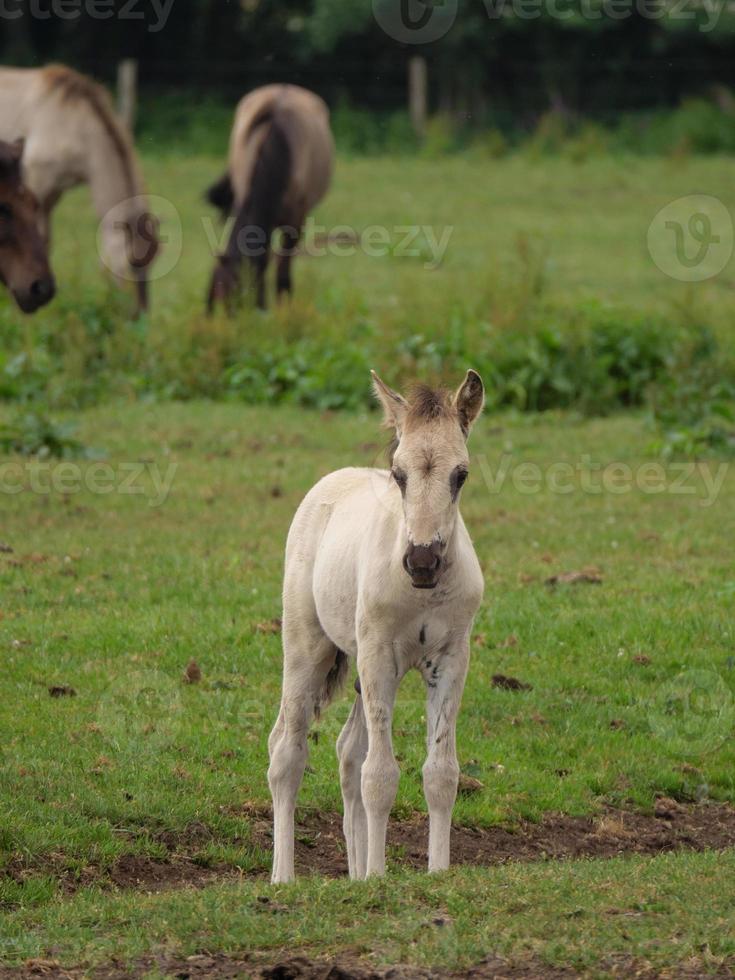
517 57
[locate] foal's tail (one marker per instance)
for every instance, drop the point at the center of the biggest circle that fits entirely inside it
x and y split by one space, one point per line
334 680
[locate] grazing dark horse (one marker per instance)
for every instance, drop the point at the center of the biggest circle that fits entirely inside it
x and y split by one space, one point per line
280 166
24 266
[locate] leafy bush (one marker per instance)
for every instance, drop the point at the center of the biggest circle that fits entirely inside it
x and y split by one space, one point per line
181 121
595 359
694 412
305 373
360 132
697 126
592 358
32 434
172 121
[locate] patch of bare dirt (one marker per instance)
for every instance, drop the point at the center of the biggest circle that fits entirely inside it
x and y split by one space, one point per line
134 871
220 966
673 826
130 871
320 845
588 576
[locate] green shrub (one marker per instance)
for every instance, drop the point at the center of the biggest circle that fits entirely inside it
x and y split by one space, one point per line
184 121
441 137
197 123
693 409
697 126
305 373
362 132
33 434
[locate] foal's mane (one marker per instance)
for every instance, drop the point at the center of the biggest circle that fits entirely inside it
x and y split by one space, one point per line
74 87
425 404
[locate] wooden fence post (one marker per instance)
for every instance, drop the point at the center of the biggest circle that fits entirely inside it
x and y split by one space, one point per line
418 94
127 91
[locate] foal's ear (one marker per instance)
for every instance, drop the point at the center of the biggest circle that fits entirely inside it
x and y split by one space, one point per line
394 405
469 399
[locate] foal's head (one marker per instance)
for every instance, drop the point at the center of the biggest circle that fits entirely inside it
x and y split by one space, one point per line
429 466
24 266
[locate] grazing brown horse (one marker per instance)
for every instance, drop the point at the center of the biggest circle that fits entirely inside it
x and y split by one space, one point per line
73 137
280 166
24 267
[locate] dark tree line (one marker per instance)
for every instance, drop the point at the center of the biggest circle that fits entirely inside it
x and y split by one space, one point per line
513 57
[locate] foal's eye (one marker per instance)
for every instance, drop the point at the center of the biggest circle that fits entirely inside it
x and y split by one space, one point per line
457 480
6 212
400 477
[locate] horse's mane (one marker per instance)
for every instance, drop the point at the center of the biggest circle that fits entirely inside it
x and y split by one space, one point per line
71 86
425 404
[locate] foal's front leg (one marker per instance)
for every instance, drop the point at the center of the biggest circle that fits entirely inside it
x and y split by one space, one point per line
379 680
444 675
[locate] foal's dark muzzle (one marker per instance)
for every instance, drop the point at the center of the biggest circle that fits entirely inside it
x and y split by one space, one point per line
422 562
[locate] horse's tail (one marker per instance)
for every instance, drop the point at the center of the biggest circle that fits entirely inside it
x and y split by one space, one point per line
221 194
270 176
333 681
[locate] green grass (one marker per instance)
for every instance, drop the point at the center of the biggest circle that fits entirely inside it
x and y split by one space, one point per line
590 218
587 914
538 249
113 596
112 593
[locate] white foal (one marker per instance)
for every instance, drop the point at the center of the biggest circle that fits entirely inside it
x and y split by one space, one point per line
380 567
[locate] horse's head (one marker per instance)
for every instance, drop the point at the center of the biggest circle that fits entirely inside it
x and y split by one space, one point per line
24 266
429 466
225 282
131 243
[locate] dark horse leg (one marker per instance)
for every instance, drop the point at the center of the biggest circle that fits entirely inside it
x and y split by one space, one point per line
260 267
256 218
289 242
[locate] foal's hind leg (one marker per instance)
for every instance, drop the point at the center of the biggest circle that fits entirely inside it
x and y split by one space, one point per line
352 746
308 660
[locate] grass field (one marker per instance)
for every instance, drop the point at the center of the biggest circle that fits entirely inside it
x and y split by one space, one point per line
528 248
166 546
113 594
